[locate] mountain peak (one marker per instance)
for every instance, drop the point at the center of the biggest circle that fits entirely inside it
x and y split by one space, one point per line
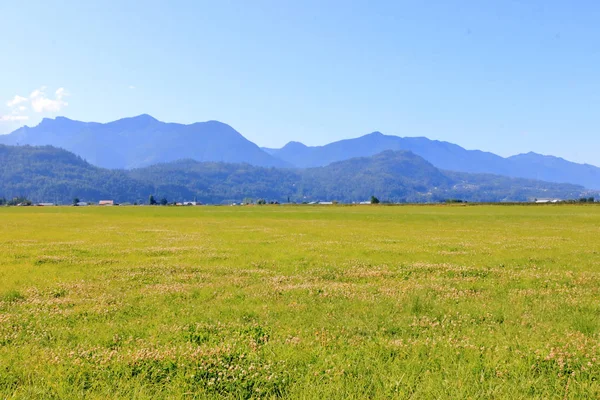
531 154
294 145
214 124
54 121
144 117
218 128
143 140
137 122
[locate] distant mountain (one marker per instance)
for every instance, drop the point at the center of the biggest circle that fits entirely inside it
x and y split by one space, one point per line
398 176
555 169
402 176
142 140
393 175
50 174
445 156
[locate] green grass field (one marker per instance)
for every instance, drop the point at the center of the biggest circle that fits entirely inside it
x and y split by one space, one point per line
300 302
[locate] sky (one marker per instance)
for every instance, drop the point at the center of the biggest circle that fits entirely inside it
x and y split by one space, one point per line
503 76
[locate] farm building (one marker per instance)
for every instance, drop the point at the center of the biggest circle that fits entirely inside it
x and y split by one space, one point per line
543 201
106 203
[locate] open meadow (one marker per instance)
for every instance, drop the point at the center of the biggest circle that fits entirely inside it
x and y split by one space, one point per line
303 302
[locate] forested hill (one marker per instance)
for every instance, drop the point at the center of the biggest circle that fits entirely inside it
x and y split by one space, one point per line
47 174
141 141
443 155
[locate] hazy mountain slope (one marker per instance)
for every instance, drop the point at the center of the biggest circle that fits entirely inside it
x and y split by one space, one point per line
50 174
555 169
143 140
390 175
443 155
403 176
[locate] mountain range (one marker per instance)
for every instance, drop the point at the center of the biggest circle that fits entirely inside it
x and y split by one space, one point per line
443 155
142 141
45 173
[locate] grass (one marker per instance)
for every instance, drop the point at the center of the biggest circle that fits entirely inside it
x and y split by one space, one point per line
300 302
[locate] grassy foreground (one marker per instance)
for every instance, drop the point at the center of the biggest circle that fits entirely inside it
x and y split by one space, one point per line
300 302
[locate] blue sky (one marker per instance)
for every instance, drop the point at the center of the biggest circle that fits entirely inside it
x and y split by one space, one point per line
504 76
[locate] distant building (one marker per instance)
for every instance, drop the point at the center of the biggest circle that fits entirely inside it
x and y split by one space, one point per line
326 202
46 204
365 202
190 203
106 203
543 201
82 204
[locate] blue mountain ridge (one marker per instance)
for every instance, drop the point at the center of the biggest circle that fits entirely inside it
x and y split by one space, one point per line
143 140
443 155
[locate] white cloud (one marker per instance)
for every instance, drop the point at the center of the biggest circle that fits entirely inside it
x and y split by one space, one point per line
16 101
41 103
38 101
131 87
13 118
61 93
37 92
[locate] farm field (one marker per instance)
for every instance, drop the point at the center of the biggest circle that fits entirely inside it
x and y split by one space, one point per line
300 302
